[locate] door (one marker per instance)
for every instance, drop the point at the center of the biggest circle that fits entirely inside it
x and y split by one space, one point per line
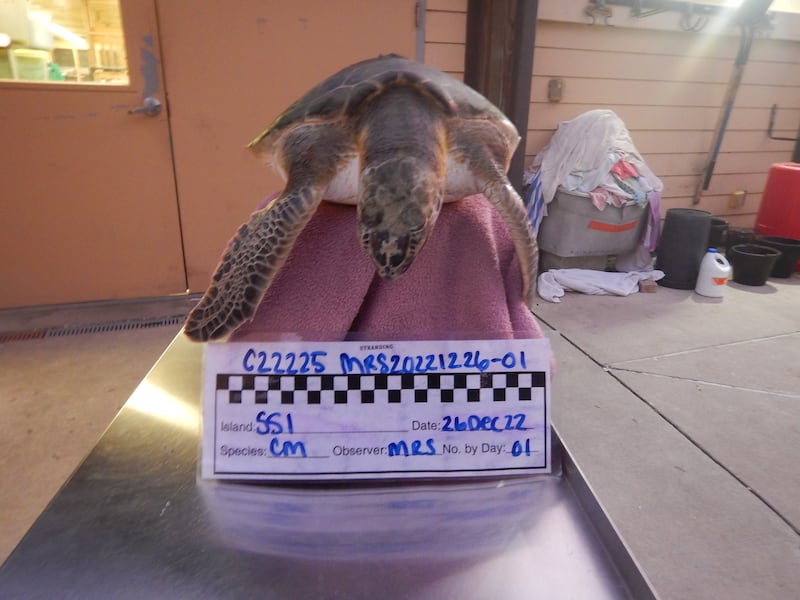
231 68
88 208
101 204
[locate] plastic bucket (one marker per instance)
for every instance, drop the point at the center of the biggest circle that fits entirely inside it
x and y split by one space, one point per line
684 241
790 254
718 233
738 235
779 209
752 263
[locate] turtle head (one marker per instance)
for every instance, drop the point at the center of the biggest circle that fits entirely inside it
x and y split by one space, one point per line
399 200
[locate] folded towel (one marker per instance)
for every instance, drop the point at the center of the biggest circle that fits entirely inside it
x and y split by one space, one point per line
465 283
553 284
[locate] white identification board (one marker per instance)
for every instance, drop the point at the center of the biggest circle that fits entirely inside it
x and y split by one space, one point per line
371 410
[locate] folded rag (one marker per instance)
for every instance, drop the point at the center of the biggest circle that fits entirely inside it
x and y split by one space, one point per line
465 283
553 284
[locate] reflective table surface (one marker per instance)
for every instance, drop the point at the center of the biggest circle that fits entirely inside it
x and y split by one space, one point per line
134 521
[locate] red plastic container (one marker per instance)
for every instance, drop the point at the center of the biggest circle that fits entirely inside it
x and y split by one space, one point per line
779 213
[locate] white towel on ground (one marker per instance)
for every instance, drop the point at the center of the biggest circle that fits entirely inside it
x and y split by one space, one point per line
553 284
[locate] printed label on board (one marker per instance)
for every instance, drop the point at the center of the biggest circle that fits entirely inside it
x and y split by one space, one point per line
364 410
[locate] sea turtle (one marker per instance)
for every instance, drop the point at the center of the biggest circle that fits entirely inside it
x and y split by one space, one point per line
392 136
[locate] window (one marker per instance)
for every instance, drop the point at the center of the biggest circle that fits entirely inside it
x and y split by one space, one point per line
71 41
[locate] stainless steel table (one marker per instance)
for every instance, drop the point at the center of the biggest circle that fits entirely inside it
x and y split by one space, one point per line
134 521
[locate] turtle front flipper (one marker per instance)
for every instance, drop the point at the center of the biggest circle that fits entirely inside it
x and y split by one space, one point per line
311 157
486 153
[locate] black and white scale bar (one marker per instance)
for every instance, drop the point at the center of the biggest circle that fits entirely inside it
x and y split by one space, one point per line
370 389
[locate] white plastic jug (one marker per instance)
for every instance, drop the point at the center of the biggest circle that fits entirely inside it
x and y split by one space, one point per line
715 271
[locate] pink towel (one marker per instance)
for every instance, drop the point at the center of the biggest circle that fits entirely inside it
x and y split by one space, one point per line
464 284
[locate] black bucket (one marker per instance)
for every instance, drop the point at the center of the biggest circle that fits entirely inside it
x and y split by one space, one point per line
752 263
718 233
684 242
790 254
738 235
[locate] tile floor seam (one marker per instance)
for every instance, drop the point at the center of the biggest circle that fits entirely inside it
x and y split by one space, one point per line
704 348
686 436
740 388
712 458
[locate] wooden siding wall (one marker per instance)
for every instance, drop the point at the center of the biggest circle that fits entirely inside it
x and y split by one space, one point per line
667 85
445 33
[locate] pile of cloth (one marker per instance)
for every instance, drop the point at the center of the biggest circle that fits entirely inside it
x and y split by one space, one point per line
594 154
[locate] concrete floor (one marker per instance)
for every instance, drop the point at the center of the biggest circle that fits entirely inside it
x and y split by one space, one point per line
683 412
59 393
